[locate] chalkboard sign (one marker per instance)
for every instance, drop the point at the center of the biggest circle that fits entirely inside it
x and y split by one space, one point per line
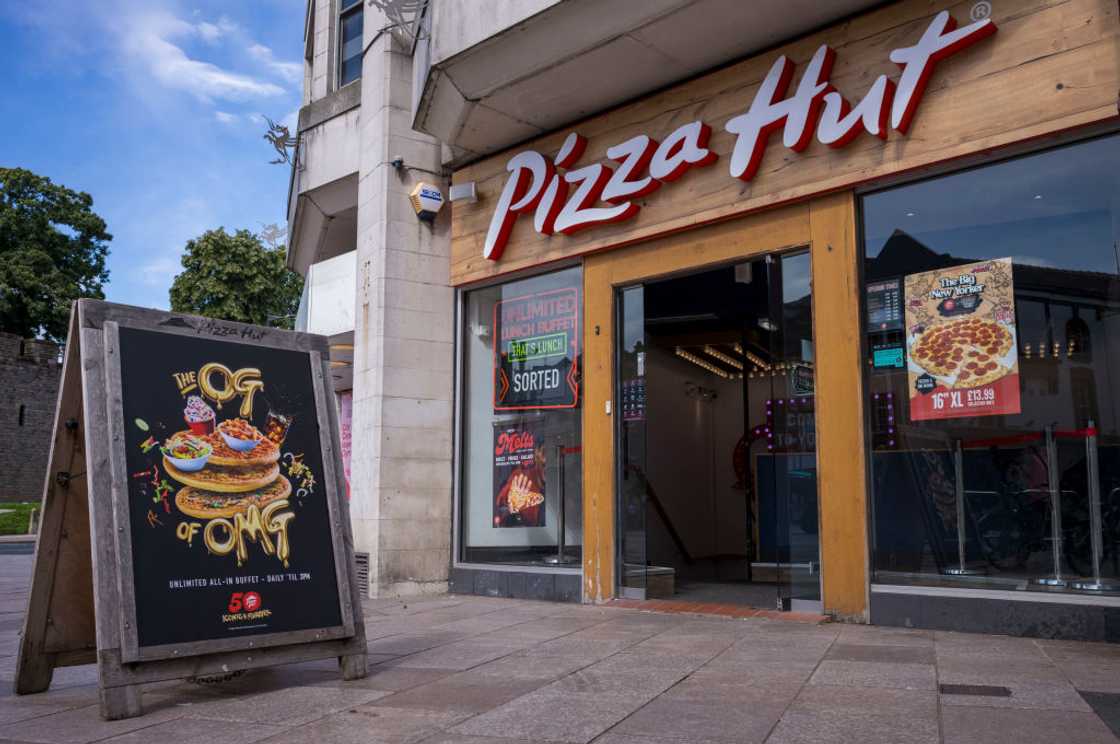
198 463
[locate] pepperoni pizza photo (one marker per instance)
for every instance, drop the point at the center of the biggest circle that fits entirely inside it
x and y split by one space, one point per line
963 357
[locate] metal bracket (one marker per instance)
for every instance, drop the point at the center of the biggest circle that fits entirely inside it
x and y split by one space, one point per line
63 477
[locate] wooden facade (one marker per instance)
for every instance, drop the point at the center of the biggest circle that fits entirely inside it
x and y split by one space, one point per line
1052 67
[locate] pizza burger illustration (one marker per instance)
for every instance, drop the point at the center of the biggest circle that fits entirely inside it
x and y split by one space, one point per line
234 478
231 480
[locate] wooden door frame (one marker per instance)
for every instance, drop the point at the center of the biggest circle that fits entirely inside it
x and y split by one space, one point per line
828 227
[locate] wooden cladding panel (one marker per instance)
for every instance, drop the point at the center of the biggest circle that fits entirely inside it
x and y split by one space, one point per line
841 467
1052 66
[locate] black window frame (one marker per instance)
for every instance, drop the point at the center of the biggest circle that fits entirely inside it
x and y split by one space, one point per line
346 12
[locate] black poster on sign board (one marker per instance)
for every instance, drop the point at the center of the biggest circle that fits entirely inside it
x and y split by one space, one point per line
519 475
536 353
229 522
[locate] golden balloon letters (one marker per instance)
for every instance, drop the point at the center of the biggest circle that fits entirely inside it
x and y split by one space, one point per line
245 382
263 526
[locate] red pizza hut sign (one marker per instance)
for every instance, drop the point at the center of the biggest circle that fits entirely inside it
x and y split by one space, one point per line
572 200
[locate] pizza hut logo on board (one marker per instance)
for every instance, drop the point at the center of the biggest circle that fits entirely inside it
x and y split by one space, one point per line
567 201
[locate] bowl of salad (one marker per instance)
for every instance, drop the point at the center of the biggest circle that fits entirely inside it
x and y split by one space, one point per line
239 434
187 453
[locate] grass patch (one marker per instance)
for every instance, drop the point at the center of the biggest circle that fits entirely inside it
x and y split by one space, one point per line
15 517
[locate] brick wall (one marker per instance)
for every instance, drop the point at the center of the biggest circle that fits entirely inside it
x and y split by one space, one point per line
29 377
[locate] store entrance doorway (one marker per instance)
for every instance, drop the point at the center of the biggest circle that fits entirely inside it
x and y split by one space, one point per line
716 437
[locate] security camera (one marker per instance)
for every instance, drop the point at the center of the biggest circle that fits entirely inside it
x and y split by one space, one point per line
427 200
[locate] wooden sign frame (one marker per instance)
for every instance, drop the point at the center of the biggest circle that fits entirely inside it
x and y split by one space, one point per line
82 606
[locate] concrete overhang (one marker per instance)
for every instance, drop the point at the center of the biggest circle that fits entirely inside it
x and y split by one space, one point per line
576 58
324 224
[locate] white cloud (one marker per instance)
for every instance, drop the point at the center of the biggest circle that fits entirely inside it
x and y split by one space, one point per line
153 45
147 42
212 32
225 117
208 31
290 71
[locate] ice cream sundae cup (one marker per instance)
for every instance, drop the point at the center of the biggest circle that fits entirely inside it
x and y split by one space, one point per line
199 416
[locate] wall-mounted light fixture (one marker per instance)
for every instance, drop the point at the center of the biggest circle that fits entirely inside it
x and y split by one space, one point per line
463 192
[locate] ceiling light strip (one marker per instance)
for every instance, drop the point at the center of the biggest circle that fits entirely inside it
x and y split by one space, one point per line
703 364
725 358
752 357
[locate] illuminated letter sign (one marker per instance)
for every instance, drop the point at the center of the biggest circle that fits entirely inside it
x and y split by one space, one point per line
566 201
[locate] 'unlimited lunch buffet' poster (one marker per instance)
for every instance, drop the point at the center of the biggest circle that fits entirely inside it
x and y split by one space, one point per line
227 504
960 338
519 467
536 357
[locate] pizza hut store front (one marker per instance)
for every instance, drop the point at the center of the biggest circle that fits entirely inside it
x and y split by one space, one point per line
832 329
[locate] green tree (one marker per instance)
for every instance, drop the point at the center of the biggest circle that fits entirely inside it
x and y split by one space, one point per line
52 251
236 277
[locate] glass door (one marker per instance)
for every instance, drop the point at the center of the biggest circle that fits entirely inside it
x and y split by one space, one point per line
790 473
716 436
632 479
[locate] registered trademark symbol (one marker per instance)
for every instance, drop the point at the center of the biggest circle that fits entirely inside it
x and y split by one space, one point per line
980 10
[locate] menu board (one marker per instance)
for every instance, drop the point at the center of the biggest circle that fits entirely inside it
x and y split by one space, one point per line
961 344
884 305
519 468
229 524
536 356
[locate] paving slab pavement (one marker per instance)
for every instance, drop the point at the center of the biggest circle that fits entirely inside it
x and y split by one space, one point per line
475 670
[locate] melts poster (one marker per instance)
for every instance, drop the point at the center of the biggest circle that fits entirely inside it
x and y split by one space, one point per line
962 351
519 468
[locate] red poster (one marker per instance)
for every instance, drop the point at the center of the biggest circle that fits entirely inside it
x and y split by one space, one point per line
962 351
519 467
345 422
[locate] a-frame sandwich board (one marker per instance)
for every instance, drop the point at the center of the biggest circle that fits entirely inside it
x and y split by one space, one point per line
133 569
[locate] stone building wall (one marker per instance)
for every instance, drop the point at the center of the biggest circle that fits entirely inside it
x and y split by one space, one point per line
29 378
401 466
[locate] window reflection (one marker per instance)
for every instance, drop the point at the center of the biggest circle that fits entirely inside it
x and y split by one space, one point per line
1010 488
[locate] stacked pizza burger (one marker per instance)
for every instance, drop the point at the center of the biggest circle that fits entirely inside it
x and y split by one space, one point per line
242 470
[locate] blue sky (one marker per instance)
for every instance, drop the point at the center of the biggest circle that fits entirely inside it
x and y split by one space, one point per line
155 108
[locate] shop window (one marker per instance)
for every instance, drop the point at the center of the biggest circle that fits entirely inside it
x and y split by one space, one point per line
520 450
992 332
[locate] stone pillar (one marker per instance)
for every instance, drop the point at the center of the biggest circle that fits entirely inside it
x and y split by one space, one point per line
401 472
